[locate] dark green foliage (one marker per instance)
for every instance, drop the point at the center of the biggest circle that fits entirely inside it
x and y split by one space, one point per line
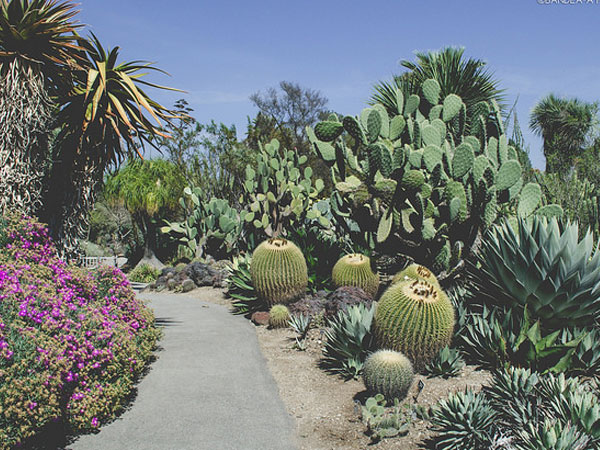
144 273
348 341
447 363
240 288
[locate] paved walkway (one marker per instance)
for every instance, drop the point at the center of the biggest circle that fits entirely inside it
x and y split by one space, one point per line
209 389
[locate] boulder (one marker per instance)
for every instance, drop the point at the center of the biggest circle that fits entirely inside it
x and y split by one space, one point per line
344 297
311 305
202 274
260 318
187 285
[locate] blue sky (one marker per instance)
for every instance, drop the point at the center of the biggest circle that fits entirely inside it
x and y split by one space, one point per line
220 52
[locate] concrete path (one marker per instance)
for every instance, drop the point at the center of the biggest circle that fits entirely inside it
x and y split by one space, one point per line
209 389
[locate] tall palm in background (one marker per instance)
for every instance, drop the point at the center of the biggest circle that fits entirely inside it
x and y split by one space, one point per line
565 125
105 118
38 52
456 74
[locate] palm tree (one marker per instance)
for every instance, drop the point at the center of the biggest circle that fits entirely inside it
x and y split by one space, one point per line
565 126
38 51
150 191
104 118
466 78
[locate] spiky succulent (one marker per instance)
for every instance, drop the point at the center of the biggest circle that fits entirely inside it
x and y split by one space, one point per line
541 264
416 272
278 270
279 316
416 318
389 373
447 363
355 270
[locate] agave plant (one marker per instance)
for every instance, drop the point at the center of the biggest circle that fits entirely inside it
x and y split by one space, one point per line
544 266
447 363
239 286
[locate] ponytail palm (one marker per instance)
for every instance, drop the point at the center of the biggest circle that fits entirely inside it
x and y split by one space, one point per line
38 51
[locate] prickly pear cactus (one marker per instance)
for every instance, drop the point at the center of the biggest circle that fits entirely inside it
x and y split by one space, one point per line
278 270
416 318
279 316
416 272
355 270
388 373
414 182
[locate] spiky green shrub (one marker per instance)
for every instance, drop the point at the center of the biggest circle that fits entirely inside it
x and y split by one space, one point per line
279 316
416 272
416 318
389 373
278 270
447 363
544 266
240 288
355 270
348 341
144 274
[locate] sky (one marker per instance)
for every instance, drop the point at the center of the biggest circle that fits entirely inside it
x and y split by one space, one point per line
221 52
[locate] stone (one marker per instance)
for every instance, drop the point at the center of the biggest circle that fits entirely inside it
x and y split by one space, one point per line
187 285
172 284
201 273
344 297
260 318
311 305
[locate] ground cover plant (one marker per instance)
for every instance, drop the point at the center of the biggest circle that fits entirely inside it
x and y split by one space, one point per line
72 343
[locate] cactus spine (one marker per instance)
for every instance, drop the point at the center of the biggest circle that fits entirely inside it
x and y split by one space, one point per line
416 318
279 316
388 373
416 272
278 270
355 270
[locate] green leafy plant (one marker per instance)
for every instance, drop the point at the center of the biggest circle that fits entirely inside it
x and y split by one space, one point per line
417 180
301 324
144 273
544 266
278 270
384 422
355 270
447 363
240 287
348 341
389 373
416 318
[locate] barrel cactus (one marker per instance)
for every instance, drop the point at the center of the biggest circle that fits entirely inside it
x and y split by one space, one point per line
355 270
279 316
278 270
416 272
388 373
416 318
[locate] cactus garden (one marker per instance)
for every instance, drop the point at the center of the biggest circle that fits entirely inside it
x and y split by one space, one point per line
412 276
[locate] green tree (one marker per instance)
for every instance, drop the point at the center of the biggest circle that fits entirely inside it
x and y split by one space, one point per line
456 74
150 190
565 125
38 52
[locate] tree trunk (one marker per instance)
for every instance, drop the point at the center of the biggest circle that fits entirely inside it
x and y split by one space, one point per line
149 231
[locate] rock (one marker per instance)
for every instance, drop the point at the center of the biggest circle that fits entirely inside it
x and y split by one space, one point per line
344 297
201 273
166 271
172 284
187 285
311 305
260 318
219 280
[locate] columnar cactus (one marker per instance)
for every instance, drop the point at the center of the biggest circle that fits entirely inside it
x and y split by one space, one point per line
355 270
278 270
416 272
414 182
388 373
416 318
279 316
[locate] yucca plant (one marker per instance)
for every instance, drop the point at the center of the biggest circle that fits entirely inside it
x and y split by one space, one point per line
38 52
349 341
544 266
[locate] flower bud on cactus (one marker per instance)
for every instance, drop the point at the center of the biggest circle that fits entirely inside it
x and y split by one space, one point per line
279 316
355 270
388 373
416 318
416 272
278 270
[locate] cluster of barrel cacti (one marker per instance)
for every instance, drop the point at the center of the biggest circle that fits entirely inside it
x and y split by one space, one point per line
211 223
422 181
278 194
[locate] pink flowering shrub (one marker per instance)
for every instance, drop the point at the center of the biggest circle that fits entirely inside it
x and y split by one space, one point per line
71 342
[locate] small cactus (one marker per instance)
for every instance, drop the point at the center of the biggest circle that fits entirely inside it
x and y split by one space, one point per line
279 316
416 272
416 318
355 270
278 270
388 373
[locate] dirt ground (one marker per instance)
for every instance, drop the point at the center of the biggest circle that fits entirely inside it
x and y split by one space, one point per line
326 408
